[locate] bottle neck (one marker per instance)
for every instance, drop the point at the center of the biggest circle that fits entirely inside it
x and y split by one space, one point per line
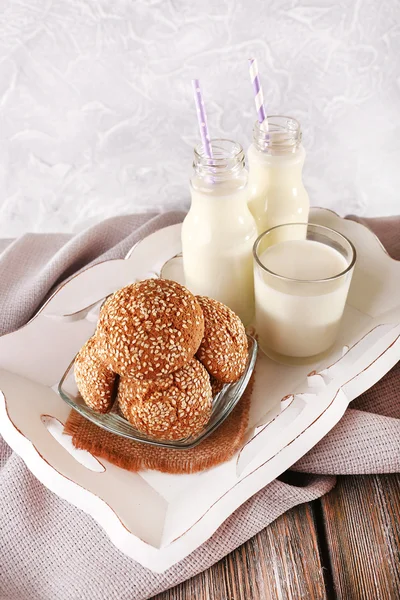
282 138
222 173
293 161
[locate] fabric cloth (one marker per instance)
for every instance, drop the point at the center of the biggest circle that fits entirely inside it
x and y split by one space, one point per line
50 550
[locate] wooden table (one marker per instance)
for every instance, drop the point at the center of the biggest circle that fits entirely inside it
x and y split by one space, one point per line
345 545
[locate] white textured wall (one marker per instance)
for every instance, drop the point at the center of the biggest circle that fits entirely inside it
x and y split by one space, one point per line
96 110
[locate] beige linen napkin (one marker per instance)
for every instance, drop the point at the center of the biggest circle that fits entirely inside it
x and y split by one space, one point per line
50 550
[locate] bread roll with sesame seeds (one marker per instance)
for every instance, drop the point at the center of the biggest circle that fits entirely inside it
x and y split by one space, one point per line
216 386
95 380
171 407
149 329
224 349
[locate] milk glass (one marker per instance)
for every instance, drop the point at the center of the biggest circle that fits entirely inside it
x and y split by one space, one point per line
301 287
275 159
219 231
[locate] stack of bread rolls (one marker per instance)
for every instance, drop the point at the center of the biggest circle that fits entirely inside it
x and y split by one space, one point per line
164 354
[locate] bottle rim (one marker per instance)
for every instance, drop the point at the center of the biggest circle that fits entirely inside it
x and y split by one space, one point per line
283 135
228 159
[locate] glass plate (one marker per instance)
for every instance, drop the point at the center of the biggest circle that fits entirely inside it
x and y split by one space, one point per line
223 404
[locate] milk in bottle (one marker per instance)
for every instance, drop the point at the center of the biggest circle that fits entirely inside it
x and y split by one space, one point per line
219 231
275 160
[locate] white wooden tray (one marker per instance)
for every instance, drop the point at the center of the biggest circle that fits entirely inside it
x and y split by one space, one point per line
159 519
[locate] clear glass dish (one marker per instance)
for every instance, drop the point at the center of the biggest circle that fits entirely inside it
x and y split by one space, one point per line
223 404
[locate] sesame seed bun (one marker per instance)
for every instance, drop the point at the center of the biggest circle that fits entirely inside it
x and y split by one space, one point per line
224 349
95 380
172 407
149 329
216 386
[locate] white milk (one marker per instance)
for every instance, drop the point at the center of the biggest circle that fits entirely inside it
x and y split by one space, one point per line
300 318
276 191
219 232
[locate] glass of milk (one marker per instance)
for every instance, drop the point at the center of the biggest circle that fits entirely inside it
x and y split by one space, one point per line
219 231
301 286
275 159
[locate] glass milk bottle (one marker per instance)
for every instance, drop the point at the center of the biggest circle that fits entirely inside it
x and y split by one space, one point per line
219 231
276 158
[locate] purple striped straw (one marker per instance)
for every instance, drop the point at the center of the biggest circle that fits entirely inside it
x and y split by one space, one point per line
258 94
202 118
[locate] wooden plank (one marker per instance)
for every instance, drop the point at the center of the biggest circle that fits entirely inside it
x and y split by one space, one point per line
362 524
282 562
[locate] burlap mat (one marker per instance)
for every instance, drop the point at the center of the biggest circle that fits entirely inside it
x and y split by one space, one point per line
219 447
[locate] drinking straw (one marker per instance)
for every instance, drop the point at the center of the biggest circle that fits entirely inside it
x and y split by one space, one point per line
202 118
258 94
